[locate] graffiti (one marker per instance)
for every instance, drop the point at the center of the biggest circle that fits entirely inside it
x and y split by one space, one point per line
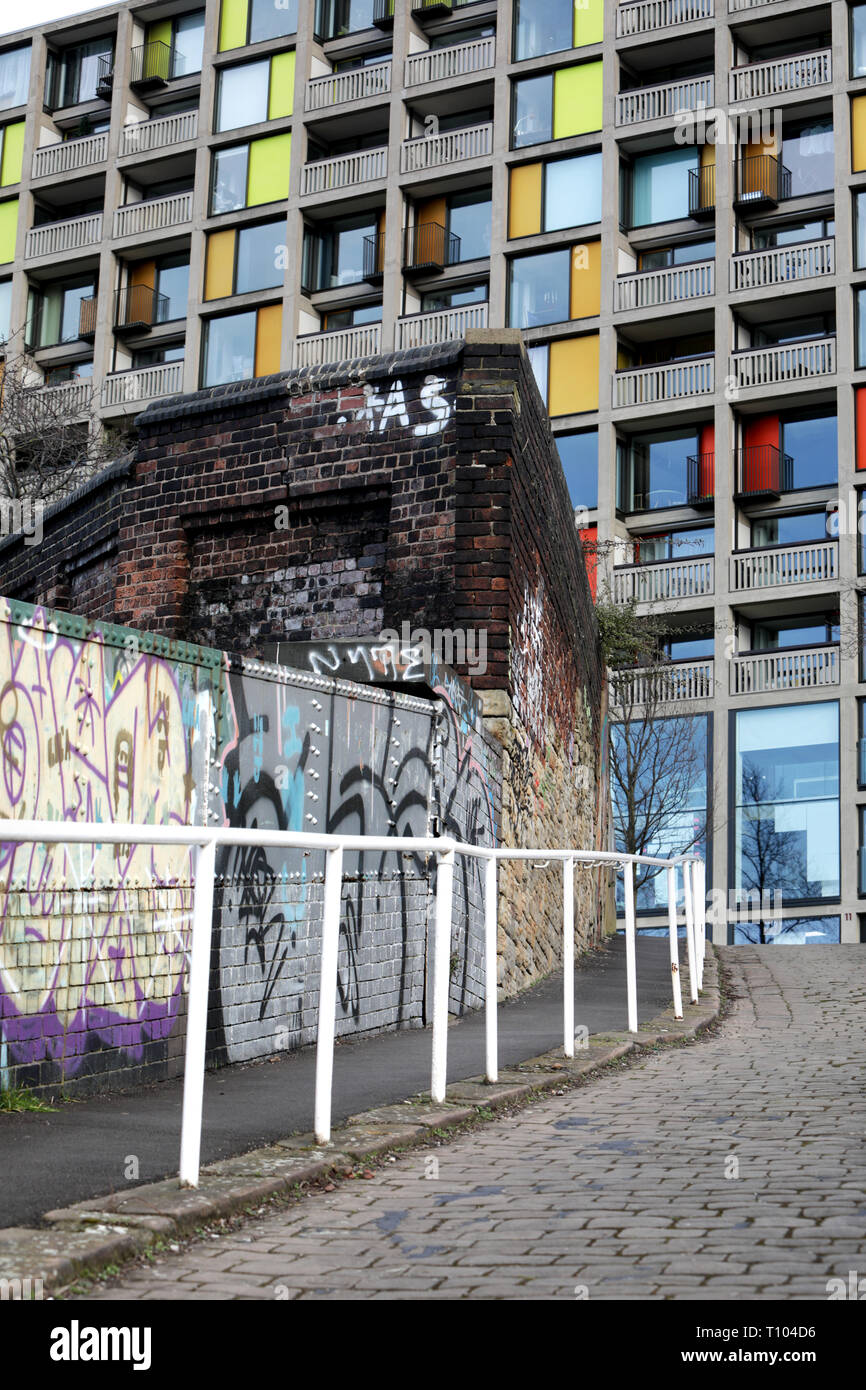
382 409
527 662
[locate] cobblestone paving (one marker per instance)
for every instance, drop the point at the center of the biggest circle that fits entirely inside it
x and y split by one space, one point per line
730 1169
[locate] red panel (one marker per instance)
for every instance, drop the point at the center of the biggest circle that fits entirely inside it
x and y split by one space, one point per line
860 427
706 467
759 436
588 538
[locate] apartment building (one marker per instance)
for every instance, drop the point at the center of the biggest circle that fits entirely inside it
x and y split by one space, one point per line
668 198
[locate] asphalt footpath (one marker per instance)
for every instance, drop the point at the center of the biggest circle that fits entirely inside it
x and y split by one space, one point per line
83 1149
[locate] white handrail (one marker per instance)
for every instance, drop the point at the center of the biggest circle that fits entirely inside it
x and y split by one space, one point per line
204 841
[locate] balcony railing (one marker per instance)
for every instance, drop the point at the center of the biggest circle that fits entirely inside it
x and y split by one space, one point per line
661 685
459 60
358 84
799 668
760 179
143 136
691 577
137 307
69 401
702 191
762 470
666 381
151 64
422 330
700 480
142 384
756 80
780 265
59 238
771 366
383 14
429 246
374 257
153 215
650 289
645 16
663 100
810 562
430 151
341 345
105 76
344 170
49 161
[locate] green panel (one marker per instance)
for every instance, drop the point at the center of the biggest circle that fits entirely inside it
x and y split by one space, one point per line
577 100
160 32
8 230
282 95
233 24
588 22
269 169
13 153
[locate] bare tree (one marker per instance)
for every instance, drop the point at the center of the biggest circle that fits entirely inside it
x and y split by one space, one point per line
771 861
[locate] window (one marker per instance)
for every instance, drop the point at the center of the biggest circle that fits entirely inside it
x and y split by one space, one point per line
861 743
557 193
54 312
554 286
653 469
451 299
254 92
675 545
187 44
11 153
155 356
337 17
794 330
243 259
14 77
564 102
469 219
238 347
860 327
5 310
578 454
76 371
253 21
337 257
810 438
253 174
807 150
351 318
685 254
172 282
660 185
791 233
549 26
786 802
695 647
771 930
778 634
73 75
567 374
858 40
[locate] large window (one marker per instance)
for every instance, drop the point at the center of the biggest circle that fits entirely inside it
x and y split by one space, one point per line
789 530
14 77
564 102
810 438
675 545
73 75
547 196
579 456
187 44
242 259
779 634
240 346
337 17
542 26
253 21
255 92
54 314
653 469
433 300
469 219
539 289
337 256
807 150
685 254
858 40
660 185
253 174
791 233
786 802
172 283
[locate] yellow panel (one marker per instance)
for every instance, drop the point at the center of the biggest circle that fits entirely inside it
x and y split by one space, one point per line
858 134
13 153
708 156
268 177
588 22
268 334
8 230
577 100
233 24
282 96
524 202
573 375
433 210
219 279
143 274
159 32
586 280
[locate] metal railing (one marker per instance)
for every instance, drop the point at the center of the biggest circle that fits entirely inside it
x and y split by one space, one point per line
800 668
770 366
49 161
648 289
429 246
344 170
140 137
153 215
702 191
203 844
58 238
761 178
780 265
339 345
459 60
383 13
700 479
764 567
666 381
671 683
357 84
663 100
142 384
139 306
429 151
151 62
422 330
645 16
761 470
772 79
691 577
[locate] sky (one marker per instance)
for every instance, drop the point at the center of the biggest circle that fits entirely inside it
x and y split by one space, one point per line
17 16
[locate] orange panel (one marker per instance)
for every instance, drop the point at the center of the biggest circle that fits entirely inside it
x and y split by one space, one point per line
860 427
268 334
588 537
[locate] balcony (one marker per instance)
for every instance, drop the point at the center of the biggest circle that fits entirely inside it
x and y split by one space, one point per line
800 668
456 146
374 258
702 192
428 247
754 81
646 16
153 215
383 14
665 381
105 76
65 156
661 580
342 345
59 238
664 100
768 567
358 84
441 64
344 171
763 473
70 401
423 330
151 66
142 384
137 308
652 289
782 265
784 362
700 480
142 137
673 683
760 181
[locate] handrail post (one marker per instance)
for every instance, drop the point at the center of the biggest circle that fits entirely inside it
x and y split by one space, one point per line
690 930
568 956
630 956
204 870
490 962
673 929
701 916
441 972
328 994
